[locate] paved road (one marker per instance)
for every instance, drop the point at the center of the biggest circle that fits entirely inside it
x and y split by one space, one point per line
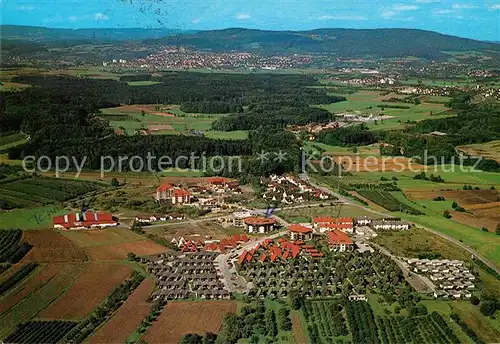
469 249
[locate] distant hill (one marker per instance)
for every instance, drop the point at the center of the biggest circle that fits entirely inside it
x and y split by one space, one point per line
343 42
43 34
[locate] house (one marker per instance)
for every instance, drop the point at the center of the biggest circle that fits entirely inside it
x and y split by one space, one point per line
299 232
357 297
392 225
218 181
257 224
323 224
181 196
84 220
363 221
164 193
339 241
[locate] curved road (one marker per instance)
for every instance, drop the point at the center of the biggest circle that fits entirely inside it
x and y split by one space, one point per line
469 249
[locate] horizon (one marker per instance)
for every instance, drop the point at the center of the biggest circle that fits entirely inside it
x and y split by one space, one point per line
479 20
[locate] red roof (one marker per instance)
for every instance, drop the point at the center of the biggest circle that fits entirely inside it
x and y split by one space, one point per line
338 237
218 180
181 193
87 219
285 255
317 255
338 225
273 257
329 219
244 237
249 258
299 229
256 220
242 257
295 251
323 219
262 258
164 187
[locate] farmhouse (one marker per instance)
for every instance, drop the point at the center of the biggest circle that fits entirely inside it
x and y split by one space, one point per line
339 241
389 225
256 224
84 220
299 232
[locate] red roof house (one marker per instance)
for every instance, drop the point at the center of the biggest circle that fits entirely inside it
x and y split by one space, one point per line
84 220
339 241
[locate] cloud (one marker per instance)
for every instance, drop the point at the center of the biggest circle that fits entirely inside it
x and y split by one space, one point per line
73 19
448 13
243 16
426 1
100 16
463 6
390 13
494 7
25 8
341 17
196 20
401 8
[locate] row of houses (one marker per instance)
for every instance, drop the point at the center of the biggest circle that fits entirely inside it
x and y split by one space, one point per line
84 220
213 245
151 218
186 275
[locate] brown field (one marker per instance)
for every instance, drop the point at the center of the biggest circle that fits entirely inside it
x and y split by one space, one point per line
120 251
179 318
128 317
194 231
357 163
482 206
475 220
99 237
298 329
92 286
490 150
147 108
33 284
51 247
462 197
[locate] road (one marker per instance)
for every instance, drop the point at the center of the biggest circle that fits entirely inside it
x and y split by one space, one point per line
469 249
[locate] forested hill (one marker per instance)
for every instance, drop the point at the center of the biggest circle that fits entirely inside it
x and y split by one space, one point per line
343 42
43 34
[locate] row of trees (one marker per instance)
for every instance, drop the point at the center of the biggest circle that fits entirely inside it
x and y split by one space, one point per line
17 277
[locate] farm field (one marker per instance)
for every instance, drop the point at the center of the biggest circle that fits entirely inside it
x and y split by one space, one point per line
486 328
194 231
50 246
33 219
40 299
40 332
33 192
91 287
306 214
30 285
120 251
365 102
299 327
95 237
142 83
128 317
490 150
179 318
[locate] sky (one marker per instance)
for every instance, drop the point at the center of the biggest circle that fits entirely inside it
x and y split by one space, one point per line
477 19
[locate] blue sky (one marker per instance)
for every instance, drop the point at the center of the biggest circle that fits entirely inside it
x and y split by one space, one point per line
479 19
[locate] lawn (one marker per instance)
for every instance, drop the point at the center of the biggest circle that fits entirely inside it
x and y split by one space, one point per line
228 135
35 218
142 83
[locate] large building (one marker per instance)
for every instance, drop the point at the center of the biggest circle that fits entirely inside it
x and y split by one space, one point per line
164 193
84 220
239 218
181 196
339 241
257 224
299 232
327 223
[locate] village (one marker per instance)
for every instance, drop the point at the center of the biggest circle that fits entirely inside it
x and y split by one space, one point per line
264 256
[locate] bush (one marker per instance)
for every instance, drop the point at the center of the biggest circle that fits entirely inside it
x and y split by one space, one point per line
474 300
488 308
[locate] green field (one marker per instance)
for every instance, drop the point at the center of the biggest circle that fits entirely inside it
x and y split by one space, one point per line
35 218
301 215
366 102
142 83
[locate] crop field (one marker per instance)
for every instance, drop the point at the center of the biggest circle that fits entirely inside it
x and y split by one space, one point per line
95 237
368 163
128 317
299 327
11 247
30 285
40 299
388 201
16 277
50 246
366 102
326 319
120 251
179 318
486 328
194 231
490 150
90 288
33 192
34 332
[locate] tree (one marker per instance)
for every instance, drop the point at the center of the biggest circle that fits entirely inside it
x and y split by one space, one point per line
488 307
191 338
131 256
474 300
454 205
271 326
447 214
115 182
497 231
296 299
